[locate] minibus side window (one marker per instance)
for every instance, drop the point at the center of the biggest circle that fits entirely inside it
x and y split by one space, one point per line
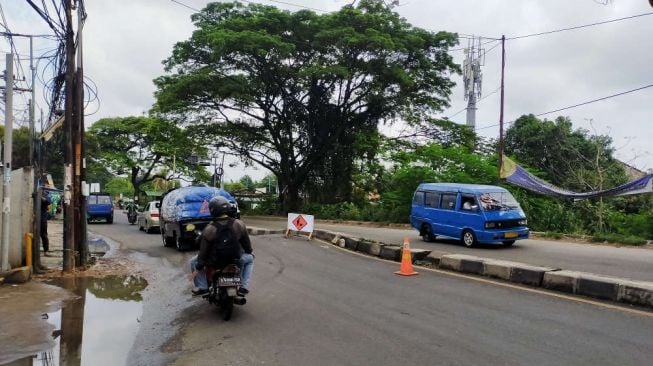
448 201
419 198
431 199
468 203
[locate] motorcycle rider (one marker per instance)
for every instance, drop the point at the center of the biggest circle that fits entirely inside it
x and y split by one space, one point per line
223 214
131 210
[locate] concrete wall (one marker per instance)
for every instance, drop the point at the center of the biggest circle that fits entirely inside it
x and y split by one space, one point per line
22 213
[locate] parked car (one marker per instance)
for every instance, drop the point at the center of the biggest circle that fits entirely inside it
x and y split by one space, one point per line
148 217
99 206
470 212
184 212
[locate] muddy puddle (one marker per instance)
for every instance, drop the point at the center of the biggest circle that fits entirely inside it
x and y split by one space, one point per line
98 327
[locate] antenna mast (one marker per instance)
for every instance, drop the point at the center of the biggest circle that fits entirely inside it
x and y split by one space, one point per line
473 77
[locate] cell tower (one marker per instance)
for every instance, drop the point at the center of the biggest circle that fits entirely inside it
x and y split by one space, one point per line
473 77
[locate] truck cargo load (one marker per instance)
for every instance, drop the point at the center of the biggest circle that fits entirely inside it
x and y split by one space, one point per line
185 213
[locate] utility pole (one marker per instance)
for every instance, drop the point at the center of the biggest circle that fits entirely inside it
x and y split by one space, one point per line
9 128
472 78
221 172
34 163
70 199
31 104
503 66
80 148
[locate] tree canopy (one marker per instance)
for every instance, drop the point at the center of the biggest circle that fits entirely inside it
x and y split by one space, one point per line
298 92
145 148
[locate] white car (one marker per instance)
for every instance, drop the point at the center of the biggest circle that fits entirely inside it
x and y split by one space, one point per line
148 217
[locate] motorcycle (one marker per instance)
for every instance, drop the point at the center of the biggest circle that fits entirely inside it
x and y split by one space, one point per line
131 217
223 289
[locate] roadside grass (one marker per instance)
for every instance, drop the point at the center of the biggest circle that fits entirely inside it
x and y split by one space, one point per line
553 235
619 239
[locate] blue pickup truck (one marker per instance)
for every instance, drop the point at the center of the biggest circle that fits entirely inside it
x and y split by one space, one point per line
99 206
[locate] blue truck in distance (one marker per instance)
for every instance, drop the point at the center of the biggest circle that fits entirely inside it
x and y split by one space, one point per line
99 206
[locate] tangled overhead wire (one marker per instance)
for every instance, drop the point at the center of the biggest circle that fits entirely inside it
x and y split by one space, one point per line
52 63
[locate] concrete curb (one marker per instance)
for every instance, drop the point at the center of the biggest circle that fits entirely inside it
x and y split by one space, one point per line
344 222
259 231
586 284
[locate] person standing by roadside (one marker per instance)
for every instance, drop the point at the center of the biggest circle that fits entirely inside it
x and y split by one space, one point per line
45 203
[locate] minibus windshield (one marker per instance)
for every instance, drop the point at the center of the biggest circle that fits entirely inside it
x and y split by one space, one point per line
492 201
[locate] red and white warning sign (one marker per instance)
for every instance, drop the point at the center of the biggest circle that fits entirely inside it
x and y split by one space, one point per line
300 222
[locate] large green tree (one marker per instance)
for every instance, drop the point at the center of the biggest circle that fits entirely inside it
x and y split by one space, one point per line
296 91
572 159
146 148
20 146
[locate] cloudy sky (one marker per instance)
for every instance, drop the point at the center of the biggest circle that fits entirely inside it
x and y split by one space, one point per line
126 40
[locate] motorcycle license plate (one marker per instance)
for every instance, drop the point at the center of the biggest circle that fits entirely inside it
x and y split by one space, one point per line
511 235
229 281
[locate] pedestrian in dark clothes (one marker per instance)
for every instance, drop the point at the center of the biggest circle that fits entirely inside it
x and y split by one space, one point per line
45 202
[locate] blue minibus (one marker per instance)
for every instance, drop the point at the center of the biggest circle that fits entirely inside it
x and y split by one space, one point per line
472 213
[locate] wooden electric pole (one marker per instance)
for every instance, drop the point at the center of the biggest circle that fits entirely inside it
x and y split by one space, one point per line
70 198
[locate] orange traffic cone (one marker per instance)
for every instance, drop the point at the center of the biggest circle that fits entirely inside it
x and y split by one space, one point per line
406 261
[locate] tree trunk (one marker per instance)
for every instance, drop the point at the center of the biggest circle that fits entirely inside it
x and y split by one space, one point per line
136 183
289 196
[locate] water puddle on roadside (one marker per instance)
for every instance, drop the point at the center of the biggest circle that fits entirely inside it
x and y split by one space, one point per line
97 328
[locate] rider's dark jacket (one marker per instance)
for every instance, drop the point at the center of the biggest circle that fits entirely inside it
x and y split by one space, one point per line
209 236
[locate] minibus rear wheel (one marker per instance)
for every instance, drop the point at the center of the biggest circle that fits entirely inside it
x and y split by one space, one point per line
427 234
469 239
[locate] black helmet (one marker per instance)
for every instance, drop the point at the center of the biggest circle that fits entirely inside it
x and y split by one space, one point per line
219 206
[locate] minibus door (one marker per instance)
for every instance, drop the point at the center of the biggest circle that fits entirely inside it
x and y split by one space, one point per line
469 213
447 215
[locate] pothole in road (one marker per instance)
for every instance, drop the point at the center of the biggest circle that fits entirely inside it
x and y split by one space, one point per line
98 327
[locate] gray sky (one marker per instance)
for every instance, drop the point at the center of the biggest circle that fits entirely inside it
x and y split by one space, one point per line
126 40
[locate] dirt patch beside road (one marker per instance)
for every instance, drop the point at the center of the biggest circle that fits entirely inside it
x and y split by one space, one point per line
103 267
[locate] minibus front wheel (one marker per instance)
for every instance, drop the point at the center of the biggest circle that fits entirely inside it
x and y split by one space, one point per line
427 233
469 239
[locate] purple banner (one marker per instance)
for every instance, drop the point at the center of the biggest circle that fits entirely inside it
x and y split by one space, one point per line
518 176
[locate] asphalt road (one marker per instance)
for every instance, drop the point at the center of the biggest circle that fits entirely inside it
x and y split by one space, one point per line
315 304
626 262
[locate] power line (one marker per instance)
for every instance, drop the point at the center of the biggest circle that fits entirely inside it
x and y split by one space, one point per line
579 27
185 5
482 44
14 50
291 4
579 104
256 2
596 100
